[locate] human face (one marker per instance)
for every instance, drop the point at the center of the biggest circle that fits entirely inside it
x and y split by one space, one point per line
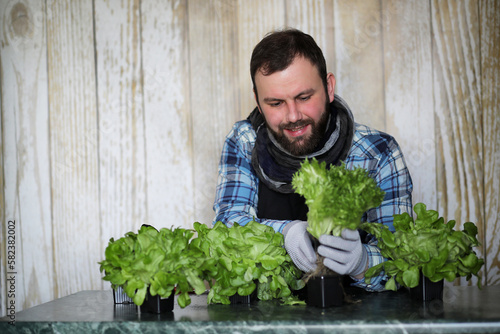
294 104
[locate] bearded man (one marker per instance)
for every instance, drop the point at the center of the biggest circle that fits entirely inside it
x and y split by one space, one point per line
299 116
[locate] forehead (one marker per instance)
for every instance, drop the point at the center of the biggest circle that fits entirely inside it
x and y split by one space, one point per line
300 75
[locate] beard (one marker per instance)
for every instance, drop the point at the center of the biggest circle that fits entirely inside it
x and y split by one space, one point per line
305 144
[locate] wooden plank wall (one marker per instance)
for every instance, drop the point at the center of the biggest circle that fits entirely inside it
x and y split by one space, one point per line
113 114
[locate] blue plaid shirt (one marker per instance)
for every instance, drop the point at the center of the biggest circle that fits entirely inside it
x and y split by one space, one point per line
237 189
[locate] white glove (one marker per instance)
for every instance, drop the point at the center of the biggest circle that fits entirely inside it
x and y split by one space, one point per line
345 255
299 246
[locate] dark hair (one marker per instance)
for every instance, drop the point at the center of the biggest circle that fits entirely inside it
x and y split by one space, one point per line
277 50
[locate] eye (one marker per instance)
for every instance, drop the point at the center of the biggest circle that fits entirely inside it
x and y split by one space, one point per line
275 104
304 98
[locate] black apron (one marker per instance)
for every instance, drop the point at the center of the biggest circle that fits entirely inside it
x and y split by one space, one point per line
279 206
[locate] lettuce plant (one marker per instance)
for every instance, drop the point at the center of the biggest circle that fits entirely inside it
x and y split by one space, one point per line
247 257
162 261
427 245
336 197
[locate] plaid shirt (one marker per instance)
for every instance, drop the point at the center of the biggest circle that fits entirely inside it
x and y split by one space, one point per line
237 189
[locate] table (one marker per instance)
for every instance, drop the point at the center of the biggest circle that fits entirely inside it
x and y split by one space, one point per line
463 310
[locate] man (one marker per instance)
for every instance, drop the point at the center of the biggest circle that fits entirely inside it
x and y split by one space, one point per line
298 116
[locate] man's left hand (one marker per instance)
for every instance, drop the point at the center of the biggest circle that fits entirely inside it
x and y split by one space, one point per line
344 255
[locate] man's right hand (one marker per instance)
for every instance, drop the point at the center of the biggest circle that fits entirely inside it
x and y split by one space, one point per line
299 245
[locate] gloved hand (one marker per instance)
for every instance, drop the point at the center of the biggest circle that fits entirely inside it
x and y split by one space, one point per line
299 246
345 255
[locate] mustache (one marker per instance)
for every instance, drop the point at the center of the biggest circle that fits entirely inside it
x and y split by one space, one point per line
295 125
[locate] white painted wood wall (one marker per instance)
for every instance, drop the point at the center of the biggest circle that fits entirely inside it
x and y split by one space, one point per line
113 114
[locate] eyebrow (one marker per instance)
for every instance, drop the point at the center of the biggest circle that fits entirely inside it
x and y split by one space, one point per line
273 99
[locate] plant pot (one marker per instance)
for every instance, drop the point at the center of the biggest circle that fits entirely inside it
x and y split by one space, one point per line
325 291
156 304
426 290
237 299
120 297
301 294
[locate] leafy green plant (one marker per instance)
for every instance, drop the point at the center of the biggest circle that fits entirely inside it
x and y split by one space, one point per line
162 261
336 197
427 245
247 257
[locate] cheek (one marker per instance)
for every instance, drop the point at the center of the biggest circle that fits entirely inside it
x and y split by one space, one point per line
273 119
313 111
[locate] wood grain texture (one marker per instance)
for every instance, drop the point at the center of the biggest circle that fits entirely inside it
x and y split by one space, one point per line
74 154
459 125
168 127
359 59
490 101
26 148
408 91
104 130
119 140
214 92
255 20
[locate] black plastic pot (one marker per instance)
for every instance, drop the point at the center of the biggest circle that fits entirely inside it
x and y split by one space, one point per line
426 290
301 294
325 291
120 297
237 299
156 304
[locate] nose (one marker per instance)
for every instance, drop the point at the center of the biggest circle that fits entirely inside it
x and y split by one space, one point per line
294 114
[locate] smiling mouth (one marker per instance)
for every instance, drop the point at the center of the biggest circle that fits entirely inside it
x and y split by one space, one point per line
297 130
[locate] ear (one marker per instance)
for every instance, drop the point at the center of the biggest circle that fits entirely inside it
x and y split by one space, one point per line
330 86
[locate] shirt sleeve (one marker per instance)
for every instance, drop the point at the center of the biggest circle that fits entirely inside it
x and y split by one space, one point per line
376 283
236 194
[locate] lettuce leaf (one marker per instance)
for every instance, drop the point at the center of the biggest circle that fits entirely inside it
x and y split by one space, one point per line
162 261
427 245
247 257
336 197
